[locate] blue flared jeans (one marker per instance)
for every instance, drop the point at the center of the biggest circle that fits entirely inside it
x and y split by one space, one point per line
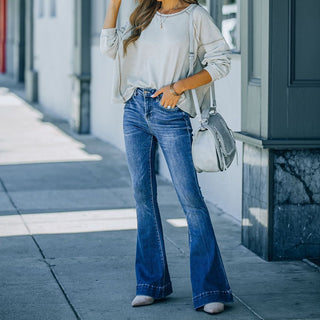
145 123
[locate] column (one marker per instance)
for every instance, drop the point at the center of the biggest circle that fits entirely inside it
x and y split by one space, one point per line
82 67
31 76
280 128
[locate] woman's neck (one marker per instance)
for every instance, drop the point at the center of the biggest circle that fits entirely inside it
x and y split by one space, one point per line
170 5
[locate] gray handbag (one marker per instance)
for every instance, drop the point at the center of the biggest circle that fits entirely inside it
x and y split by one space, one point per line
213 146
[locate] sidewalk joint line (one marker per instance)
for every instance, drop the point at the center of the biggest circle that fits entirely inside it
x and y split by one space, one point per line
41 252
174 244
248 307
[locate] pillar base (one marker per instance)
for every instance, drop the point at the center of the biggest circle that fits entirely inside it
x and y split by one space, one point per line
281 202
80 122
31 85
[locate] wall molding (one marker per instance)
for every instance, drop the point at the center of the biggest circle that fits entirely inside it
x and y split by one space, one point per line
279 144
252 80
292 80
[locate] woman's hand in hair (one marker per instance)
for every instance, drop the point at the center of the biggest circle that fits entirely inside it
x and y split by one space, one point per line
112 14
168 98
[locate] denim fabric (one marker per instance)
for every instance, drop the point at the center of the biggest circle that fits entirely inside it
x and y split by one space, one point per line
145 123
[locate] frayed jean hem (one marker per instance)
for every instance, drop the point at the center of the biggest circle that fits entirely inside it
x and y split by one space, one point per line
154 291
212 296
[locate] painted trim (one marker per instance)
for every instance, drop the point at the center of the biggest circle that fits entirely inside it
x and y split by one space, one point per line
253 81
256 82
279 144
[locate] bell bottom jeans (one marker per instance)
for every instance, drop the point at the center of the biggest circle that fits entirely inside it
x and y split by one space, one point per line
145 123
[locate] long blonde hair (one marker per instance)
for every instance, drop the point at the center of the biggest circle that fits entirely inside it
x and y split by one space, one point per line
141 17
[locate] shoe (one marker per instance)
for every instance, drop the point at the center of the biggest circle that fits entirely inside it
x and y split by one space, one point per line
214 307
141 300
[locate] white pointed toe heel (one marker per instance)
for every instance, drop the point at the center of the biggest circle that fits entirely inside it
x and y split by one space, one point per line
142 300
214 307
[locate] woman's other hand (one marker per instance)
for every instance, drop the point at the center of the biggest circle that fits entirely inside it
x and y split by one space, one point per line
168 98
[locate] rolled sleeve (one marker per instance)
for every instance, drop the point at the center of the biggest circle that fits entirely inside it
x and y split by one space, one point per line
110 39
213 50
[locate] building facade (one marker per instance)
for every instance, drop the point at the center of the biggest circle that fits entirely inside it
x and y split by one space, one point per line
270 98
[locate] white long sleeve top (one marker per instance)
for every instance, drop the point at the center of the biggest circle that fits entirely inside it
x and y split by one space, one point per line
160 55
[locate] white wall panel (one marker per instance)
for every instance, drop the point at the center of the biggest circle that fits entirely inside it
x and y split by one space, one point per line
53 52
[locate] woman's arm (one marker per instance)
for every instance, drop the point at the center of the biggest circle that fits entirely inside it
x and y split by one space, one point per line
110 36
213 52
198 79
112 14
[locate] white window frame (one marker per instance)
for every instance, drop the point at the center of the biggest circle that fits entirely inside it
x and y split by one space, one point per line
224 13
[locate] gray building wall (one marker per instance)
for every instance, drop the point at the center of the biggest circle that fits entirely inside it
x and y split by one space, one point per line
280 128
15 43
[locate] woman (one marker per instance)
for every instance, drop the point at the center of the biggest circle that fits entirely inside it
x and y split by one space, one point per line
151 79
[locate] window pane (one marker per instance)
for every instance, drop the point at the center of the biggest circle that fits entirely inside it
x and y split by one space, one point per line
230 22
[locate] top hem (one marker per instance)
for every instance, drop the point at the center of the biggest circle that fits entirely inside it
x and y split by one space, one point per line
173 14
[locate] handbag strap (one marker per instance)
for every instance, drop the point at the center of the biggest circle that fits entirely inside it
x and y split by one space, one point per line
191 58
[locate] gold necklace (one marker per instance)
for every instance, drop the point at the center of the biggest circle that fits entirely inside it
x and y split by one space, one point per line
162 19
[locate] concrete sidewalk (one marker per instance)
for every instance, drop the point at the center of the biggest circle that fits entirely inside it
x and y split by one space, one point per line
68 232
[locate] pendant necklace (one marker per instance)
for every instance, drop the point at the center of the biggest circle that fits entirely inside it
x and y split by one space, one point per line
163 18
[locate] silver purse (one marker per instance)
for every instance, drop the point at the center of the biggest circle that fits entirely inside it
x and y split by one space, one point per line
213 146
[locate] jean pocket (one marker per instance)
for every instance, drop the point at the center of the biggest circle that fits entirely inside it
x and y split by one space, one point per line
175 108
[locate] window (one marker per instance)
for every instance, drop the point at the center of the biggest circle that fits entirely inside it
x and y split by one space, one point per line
226 15
230 25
